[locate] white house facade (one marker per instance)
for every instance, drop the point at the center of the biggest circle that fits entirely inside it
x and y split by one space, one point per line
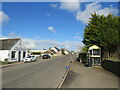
56 50
12 50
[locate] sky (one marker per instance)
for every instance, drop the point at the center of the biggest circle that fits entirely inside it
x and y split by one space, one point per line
45 24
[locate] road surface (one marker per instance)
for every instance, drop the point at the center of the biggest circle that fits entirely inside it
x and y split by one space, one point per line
47 74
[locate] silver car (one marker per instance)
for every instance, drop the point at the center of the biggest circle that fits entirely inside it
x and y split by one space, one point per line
33 58
28 59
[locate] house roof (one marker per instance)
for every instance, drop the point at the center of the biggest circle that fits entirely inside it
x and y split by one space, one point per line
7 44
57 49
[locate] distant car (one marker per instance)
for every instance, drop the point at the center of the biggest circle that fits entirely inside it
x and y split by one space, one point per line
28 59
42 54
33 58
46 56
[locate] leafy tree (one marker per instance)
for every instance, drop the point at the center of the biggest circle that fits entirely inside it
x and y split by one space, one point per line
103 31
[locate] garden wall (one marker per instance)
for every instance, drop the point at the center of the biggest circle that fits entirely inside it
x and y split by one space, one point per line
111 66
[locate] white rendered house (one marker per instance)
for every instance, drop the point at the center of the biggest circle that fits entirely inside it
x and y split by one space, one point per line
56 50
12 49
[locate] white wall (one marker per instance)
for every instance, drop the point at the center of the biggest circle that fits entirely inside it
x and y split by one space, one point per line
19 47
16 56
12 59
54 49
66 52
7 53
4 54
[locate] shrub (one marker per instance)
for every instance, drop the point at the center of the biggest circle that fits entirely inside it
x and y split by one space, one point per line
6 61
83 57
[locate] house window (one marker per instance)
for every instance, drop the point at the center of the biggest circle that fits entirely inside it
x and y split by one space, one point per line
24 54
13 54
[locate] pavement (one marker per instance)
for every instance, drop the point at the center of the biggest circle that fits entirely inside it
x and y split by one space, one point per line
39 74
80 76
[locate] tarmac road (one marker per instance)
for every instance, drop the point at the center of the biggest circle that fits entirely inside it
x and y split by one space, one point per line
47 74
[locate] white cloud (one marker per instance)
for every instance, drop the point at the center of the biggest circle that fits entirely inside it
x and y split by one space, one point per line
69 5
73 5
14 35
3 37
3 17
11 35
29 43
54 5
46 44
77 33
48 14
52 29
92 8
77 37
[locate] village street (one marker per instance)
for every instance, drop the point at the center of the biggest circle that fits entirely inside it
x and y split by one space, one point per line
47 74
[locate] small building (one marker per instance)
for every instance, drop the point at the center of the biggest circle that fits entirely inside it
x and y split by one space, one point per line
12 50
41 52
56 51
94 56
37 52
49 52
64 51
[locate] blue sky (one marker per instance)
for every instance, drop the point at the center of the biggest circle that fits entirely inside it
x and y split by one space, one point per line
61 24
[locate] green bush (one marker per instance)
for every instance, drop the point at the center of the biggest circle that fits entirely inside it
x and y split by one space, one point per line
113 59
83 57
6 61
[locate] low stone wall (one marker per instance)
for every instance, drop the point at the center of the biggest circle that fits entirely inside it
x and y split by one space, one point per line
111 66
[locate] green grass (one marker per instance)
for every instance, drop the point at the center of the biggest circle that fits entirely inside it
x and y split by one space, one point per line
113 59
2 63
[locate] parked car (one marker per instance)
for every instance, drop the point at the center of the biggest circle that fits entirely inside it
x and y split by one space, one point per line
28 59
33 58
46 56
42 54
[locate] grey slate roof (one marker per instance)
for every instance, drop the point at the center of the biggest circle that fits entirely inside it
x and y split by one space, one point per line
7 44
57 49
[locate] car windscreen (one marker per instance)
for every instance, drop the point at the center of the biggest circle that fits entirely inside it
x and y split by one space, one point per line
29 57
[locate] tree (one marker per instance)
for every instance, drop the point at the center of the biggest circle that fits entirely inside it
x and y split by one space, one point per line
103 32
